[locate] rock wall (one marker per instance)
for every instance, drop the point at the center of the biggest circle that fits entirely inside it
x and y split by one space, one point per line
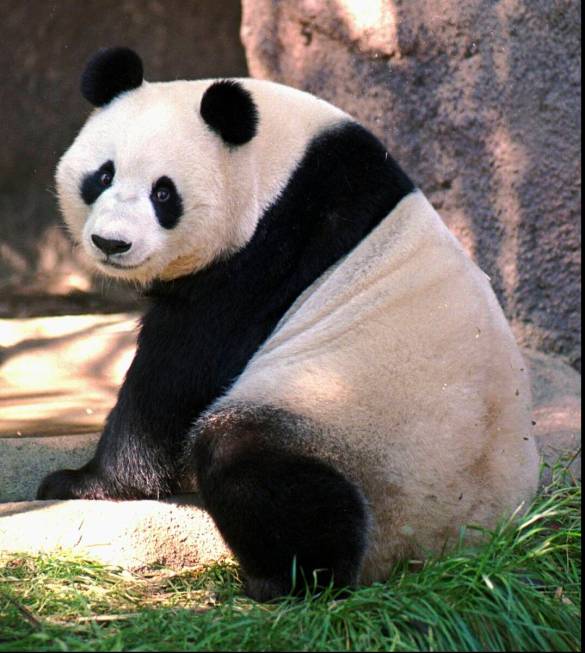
43 50
480 103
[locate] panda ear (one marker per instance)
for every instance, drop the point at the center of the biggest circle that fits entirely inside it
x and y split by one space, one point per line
229 110
108 73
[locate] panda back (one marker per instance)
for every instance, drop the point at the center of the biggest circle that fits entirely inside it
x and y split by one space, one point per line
400 359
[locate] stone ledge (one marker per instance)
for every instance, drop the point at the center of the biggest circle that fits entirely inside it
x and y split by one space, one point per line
130 534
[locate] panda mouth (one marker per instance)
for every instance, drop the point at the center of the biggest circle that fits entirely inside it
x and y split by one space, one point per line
119 266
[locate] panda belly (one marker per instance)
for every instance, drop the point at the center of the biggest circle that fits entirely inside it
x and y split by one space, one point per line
399 370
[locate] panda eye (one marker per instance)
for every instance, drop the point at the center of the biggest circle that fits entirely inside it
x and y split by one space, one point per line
166 202
106 179
162 194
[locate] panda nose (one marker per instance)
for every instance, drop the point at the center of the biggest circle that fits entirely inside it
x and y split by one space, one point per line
109 246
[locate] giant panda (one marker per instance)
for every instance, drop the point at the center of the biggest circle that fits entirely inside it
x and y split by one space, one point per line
319 358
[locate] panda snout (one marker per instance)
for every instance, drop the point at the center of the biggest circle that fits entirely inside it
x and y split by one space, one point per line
110 246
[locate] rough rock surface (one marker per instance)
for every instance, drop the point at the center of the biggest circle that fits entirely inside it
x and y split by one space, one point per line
25 461
556 394
43 49
130 534
480 103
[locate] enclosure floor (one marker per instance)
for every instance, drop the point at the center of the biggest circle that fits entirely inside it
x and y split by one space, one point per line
59 377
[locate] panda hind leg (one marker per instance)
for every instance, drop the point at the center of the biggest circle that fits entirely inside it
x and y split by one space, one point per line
293 521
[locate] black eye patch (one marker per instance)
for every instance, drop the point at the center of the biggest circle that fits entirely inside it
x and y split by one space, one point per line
167 203
95 183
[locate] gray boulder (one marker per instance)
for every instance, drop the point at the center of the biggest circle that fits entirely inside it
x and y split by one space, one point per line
480 103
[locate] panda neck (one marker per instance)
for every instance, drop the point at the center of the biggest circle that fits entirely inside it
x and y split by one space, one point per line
344 185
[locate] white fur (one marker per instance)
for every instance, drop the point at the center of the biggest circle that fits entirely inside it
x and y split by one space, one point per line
156 130
402 357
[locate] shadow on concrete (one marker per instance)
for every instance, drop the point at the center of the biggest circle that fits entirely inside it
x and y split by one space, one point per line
61 375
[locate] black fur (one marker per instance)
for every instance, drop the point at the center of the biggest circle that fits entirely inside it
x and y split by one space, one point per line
229 110
108 73
169 210
202 330
281 513
92 185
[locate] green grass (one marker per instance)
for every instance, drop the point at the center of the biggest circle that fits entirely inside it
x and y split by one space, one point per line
520 591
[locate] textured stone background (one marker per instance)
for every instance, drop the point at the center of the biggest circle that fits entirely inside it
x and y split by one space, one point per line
44 46
478 100
480 103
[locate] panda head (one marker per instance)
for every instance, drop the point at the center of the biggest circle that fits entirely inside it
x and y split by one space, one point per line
165 178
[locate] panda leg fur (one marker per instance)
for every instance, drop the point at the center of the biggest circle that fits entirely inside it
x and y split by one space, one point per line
135 459
121 469
293 521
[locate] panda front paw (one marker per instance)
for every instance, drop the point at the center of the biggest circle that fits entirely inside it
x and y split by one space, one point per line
72 484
